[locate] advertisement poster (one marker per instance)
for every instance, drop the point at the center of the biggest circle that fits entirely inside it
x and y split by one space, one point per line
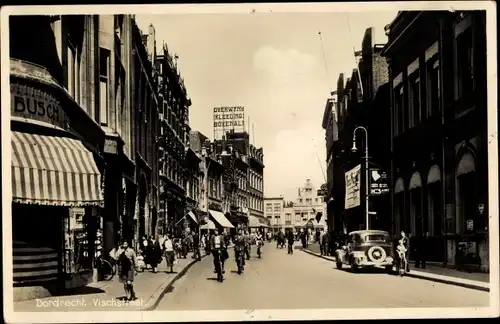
353 187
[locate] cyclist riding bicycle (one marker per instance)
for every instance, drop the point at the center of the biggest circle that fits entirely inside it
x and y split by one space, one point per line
218 248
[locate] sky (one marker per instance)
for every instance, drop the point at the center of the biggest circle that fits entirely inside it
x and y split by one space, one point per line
273 65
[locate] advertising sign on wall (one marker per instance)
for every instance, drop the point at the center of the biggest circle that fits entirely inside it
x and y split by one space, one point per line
228 118
378 184
353 187
31 103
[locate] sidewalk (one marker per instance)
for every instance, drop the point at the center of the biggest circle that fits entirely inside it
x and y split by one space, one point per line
475 280
107 295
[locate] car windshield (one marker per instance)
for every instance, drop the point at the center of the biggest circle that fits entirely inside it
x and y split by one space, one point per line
376 238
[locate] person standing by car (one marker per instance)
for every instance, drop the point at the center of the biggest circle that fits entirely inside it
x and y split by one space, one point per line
405 241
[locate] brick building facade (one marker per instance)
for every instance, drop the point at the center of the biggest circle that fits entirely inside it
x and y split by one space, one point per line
437 63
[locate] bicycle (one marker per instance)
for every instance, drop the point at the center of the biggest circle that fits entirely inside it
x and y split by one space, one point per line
218 265
106 268
403 263
239 258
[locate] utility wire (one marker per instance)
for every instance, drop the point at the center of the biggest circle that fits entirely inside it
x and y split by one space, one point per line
324 57
354 52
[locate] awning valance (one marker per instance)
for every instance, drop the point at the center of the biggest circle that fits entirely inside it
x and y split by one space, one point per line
208 225
220 219
51 170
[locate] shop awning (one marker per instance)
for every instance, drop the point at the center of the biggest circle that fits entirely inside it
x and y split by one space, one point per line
220 219
253 221
193 216
49 170
208 225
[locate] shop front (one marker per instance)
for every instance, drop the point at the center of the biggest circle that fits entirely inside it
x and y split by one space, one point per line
56 186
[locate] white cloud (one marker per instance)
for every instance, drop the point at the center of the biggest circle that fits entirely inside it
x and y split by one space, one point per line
295 158
283 64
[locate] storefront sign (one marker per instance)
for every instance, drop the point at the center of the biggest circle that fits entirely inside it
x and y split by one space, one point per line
76 218
31 103
352 186
110 146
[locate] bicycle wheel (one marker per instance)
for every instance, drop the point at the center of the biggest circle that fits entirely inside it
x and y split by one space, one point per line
107 270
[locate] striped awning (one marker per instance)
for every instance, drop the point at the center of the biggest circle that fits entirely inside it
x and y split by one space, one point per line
49 170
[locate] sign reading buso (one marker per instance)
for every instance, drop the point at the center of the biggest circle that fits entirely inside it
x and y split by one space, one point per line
31 103
229 117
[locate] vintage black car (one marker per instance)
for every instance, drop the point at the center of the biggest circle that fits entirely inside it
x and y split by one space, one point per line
367 248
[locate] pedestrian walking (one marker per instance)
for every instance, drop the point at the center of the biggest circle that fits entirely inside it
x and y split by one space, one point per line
144 248
154 252
303 238
291 239
127 262
184 245
196 246
168 247
323 242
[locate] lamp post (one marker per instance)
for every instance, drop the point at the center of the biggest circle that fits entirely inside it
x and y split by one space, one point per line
367 171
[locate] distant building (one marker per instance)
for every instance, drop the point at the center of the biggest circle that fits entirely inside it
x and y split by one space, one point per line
274 211
307 205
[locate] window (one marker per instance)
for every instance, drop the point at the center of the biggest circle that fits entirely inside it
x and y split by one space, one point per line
398 111
414 100
300 200
433 88
73 71
104 86
464 64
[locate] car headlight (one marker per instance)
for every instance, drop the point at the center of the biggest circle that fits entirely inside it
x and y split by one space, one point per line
389 259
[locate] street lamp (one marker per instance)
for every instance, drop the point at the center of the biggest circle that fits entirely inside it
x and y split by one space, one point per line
367 171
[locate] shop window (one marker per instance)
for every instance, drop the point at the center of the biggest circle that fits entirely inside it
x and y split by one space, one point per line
464 63
433 88
104 86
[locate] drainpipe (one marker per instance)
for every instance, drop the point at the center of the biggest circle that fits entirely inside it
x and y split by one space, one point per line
443 142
